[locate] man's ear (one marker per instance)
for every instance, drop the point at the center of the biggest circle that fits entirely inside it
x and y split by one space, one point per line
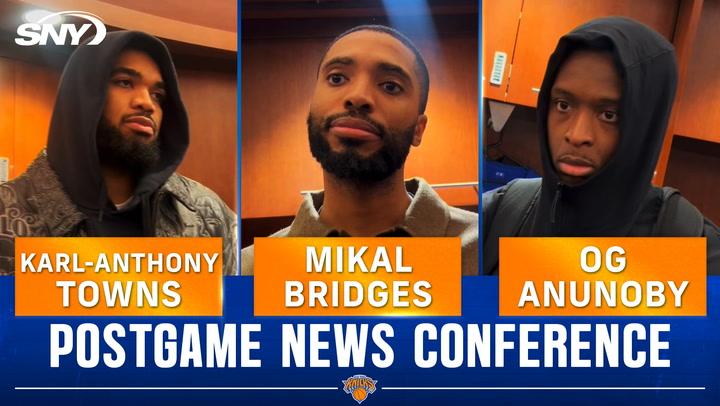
419 130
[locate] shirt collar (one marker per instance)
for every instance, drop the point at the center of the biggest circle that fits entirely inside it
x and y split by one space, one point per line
427 215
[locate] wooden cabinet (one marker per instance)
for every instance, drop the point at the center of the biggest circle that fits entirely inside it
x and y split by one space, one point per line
27 95
500 21
7 108
540 25
698 114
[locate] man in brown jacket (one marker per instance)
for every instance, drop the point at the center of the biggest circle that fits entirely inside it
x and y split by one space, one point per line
118 132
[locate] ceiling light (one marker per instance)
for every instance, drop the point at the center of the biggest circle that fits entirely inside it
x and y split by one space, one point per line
34 16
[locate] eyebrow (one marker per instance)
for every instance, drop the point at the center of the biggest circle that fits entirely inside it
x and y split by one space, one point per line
135 74
383 66
338 61
391 68
600 101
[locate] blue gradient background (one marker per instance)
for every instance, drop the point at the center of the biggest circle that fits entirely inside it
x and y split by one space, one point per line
24 361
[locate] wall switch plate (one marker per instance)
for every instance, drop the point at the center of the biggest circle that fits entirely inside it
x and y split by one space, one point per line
498 70
4 169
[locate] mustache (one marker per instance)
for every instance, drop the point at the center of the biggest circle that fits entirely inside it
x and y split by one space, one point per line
327 122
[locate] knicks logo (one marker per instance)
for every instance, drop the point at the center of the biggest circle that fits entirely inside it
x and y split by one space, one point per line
359 387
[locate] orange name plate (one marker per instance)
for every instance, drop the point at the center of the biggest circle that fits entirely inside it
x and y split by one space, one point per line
603 276
357 276
118 276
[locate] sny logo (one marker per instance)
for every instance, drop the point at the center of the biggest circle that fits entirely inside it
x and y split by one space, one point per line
359 386
38 33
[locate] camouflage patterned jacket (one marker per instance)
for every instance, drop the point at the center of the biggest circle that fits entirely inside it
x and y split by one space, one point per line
35 204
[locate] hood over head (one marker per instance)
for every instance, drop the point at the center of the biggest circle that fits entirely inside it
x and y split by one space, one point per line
607 203
81 97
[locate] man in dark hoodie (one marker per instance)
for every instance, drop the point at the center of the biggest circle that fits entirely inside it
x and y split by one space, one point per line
118 132
603 110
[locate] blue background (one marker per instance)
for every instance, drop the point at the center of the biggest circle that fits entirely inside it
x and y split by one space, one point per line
24 361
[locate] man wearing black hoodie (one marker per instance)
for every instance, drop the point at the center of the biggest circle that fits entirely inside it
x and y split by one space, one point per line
603 110
118 132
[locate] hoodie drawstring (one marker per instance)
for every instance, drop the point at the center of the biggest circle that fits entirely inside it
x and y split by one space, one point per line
102 200
147 220
556 200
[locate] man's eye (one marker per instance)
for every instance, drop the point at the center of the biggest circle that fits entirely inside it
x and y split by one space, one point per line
391 87
158 96
123 82
336 79
609 116
562 106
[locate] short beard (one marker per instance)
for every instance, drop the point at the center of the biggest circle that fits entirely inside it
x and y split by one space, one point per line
349 164
125 153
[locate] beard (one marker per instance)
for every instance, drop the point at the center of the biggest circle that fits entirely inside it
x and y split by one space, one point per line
350 164
124 153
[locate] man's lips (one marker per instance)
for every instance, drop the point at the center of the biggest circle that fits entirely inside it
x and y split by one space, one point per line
141 124
575 166
355 128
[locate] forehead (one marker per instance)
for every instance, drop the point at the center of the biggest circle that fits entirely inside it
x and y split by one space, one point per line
137 60
590 72
373 47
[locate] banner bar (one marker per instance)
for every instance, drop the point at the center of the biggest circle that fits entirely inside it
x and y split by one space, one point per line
488 388
155 388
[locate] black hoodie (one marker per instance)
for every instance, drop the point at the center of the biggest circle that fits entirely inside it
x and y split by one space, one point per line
617 200
609 202
71 146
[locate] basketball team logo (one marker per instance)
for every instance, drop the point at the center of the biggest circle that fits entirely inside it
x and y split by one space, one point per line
359 387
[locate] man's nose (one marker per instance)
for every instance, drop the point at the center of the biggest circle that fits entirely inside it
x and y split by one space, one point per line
142 100
359 96
580 132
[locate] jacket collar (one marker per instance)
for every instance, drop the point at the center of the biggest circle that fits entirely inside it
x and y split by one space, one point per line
426 216
51 199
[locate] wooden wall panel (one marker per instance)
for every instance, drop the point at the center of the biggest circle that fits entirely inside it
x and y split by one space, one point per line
699 110
449 150
7 109
694 169
276 88
545 21
684 39
278 79
211 102
35 90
